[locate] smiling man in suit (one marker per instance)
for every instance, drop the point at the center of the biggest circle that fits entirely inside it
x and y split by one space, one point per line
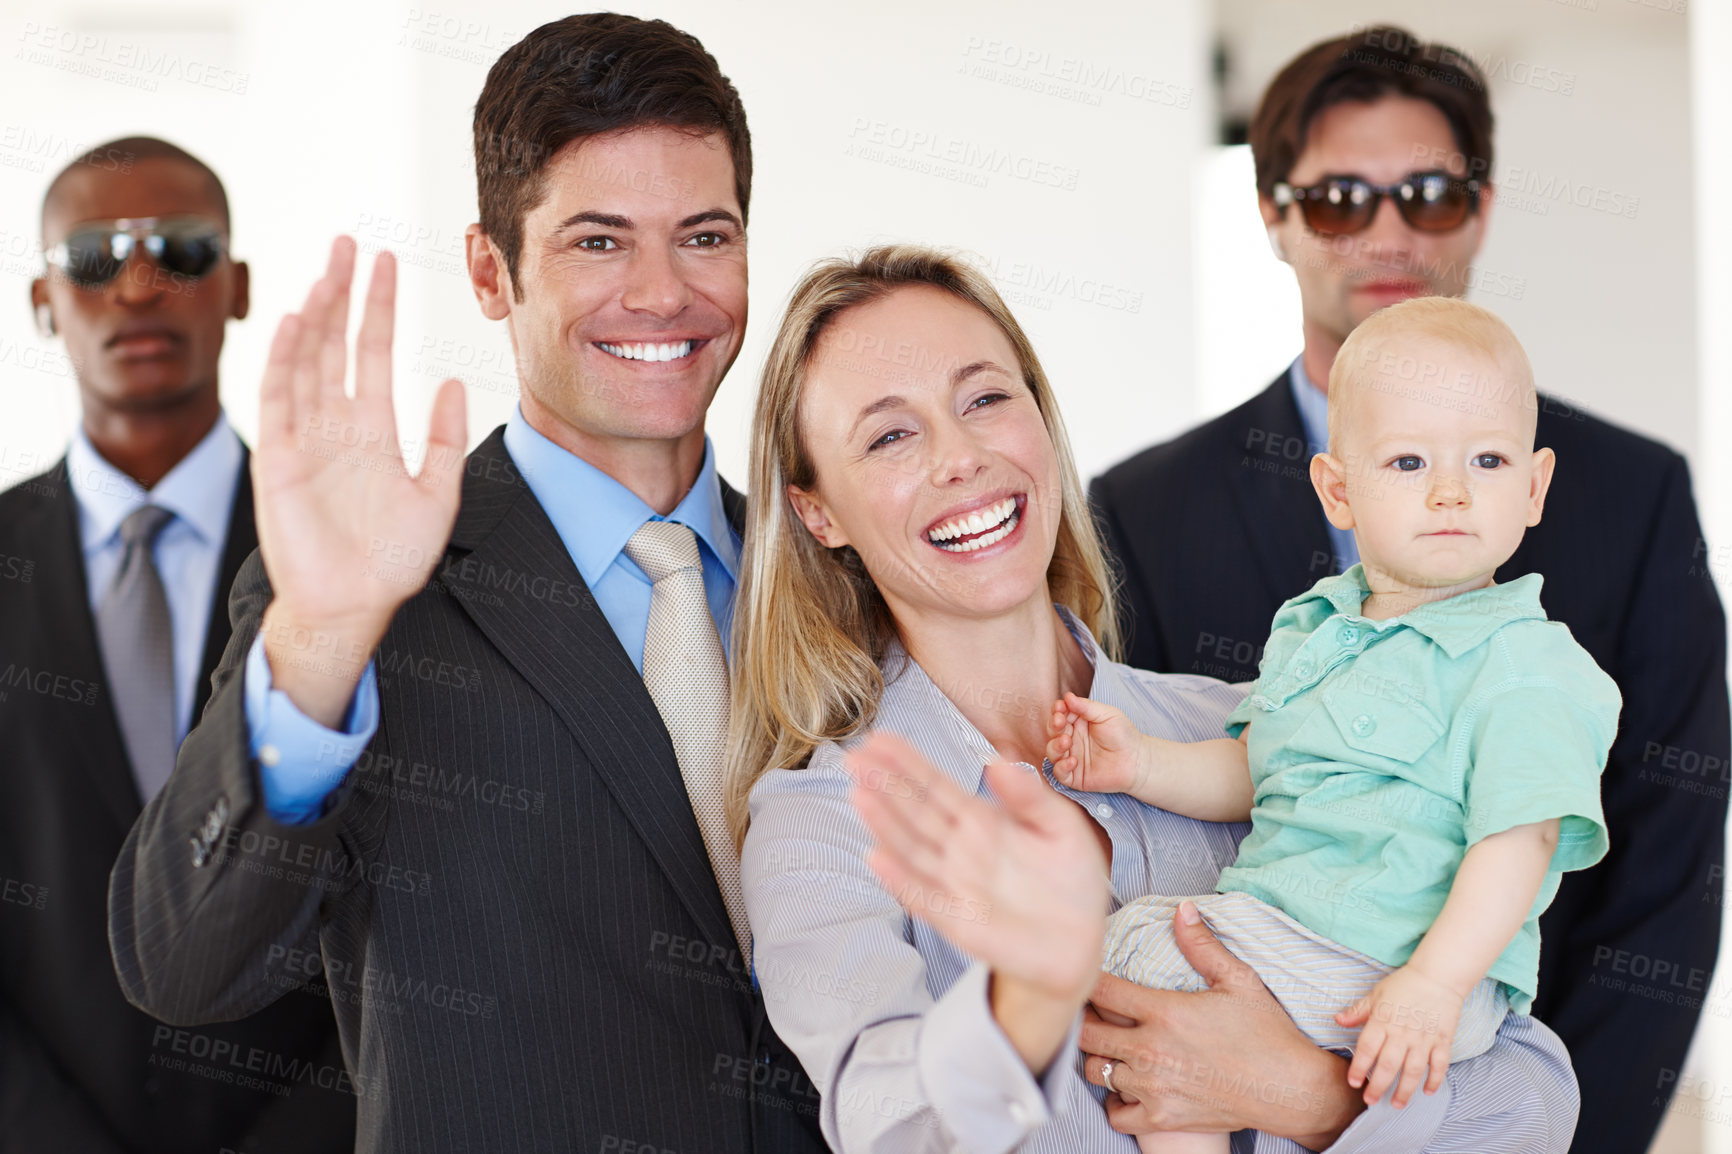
1373 153
462 759
112 617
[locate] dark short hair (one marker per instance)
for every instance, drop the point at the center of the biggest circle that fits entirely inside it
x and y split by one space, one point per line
120 155
584 76
1361 67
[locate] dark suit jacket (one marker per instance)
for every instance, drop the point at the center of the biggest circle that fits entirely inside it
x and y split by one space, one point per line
516 913
1214 530
80 1069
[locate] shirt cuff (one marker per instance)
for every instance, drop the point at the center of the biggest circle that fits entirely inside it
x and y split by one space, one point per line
301 763
985 1094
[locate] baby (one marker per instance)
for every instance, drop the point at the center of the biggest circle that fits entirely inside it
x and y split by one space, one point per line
1420 755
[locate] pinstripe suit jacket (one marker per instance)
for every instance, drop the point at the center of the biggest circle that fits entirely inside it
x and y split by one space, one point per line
508 897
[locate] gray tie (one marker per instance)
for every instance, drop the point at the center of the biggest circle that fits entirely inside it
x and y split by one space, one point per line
686 676
137 638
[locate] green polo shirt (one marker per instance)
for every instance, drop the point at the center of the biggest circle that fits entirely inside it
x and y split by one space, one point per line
1383 749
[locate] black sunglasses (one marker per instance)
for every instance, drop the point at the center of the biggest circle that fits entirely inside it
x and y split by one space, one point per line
93 254
1339 205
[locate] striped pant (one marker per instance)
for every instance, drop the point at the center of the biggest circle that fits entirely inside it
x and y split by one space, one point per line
1312 977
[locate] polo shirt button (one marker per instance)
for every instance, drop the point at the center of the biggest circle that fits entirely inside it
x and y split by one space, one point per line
1364 725
1019 1113
1303 669
1350 635
1103 811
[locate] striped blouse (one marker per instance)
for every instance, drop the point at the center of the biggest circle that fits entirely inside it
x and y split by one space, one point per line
891 1021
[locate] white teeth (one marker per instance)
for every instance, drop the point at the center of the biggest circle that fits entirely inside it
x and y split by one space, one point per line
984 539
648 352
1003 515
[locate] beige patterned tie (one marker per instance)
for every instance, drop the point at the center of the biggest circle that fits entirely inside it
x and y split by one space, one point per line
687 677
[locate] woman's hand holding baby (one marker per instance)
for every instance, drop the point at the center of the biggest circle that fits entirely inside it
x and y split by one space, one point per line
1409 1019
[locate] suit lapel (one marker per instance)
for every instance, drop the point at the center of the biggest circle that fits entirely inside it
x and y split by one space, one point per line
1272 493
503 549
242 539
97 749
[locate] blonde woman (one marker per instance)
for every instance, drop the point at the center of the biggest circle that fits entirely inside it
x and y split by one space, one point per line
921 580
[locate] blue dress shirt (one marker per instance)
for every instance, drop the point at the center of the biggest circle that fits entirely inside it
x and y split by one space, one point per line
200 492
595 516
301 761
1314 416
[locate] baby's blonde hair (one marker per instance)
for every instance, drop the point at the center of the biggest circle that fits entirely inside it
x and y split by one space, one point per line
1363 358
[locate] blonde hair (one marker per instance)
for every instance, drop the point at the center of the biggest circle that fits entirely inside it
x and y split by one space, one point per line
810 629
1449 320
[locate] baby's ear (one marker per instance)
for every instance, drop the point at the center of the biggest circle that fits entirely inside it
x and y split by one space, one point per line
1545 461
1329 479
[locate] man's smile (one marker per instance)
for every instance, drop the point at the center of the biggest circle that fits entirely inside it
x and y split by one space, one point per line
651 351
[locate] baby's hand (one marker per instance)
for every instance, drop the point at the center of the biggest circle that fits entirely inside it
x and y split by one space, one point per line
1094 747
1409 1020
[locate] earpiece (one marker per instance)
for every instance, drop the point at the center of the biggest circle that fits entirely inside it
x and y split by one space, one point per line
1275 245
45 320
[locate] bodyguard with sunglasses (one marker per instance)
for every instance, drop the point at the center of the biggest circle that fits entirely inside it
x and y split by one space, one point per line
1373 154
121 558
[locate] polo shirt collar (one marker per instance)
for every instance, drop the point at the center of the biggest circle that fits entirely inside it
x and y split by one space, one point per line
199 490
1456 624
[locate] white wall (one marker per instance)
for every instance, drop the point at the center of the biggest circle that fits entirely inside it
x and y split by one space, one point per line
356 118
327 117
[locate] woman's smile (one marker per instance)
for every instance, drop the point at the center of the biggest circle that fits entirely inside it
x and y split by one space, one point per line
979 525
